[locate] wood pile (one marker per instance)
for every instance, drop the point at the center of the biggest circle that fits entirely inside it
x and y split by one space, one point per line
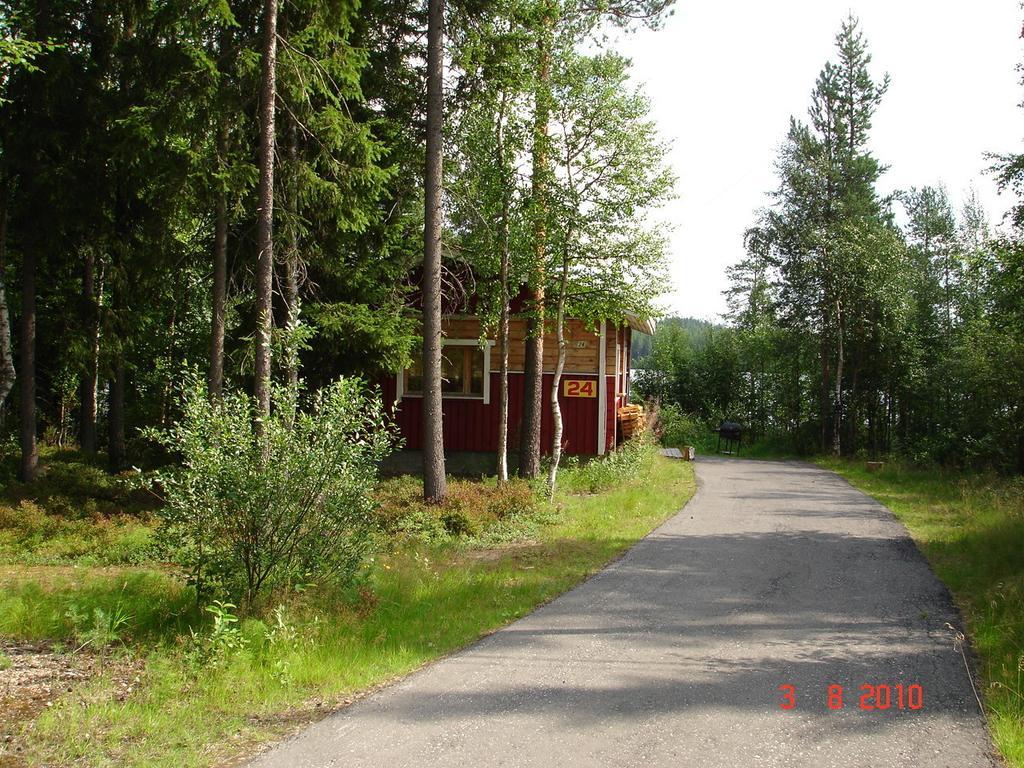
632 420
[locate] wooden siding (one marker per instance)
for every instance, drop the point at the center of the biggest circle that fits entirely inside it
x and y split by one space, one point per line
578 359
470 425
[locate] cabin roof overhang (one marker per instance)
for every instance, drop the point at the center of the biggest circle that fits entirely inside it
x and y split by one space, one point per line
641 324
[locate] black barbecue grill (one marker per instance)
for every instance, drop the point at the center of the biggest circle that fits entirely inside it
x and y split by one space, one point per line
730 432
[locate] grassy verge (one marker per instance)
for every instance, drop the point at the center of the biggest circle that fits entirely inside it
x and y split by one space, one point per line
201 701
971 529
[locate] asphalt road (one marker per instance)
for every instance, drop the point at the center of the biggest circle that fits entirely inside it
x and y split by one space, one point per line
774 574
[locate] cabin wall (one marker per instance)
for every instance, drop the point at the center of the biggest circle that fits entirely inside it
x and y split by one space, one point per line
581 355
472 425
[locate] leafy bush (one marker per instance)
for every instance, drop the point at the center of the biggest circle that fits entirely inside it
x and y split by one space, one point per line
246 512
458 523
676 429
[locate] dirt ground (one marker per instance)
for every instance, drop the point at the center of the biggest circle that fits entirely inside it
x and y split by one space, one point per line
36 678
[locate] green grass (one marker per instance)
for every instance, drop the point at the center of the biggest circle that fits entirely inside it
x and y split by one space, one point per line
971 529
198 704
75 514
61 603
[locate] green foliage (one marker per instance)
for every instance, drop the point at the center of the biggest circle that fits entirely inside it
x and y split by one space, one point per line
250 511
475 513
606 244
75 514
631 460
675 428
849 334
30 535
697 371
100 629
140 605
324 644
222 640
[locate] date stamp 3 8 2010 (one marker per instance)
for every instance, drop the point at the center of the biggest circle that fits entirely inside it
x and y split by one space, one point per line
869 698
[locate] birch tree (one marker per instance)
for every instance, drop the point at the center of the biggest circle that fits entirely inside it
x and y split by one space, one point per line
488 194
610 174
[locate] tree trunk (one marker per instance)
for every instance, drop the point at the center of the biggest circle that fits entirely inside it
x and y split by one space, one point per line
503 387
556 409
533 382
837 418
115 415
291 300
533 378
291 267
434 482
265 235
27 354
90 378
7 371
215 381
503 247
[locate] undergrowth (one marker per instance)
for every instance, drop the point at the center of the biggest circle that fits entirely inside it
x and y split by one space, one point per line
214 682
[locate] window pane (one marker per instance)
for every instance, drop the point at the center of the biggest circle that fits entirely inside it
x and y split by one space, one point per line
452 369
476 385
462 371
414 375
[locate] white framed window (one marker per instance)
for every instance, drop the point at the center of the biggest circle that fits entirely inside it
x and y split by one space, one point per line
465 372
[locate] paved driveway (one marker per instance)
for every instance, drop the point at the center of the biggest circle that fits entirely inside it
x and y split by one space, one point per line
774 574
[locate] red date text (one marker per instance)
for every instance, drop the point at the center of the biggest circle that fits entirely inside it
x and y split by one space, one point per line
868 697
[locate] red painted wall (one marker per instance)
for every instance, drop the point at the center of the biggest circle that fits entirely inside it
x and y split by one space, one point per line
469 425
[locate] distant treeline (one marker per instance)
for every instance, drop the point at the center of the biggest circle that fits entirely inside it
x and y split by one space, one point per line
697 331
848 333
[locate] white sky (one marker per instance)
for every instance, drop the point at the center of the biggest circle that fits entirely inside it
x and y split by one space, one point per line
725 76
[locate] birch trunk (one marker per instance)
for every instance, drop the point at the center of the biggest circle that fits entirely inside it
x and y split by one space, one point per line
503 235
27 357
92 292
115 416
215 380
837 421
265 265
291 267
556 409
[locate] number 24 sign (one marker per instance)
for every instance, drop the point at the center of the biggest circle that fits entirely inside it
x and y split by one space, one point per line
579 388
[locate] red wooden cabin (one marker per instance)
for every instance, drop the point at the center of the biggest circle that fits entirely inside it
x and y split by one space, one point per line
595 384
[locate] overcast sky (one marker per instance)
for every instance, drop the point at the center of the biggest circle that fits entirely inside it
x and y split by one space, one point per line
724 78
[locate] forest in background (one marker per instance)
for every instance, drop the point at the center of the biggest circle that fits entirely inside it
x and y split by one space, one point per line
237 192
862 324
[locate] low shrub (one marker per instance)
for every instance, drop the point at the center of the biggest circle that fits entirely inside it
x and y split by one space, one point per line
472 510
630 460
248 512
674 429
33 535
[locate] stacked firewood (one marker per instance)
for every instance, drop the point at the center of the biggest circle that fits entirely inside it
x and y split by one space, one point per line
632 420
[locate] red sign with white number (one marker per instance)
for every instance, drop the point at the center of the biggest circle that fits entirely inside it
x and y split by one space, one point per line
579 388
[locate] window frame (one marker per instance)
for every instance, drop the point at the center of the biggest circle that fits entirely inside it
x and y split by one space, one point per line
401 392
